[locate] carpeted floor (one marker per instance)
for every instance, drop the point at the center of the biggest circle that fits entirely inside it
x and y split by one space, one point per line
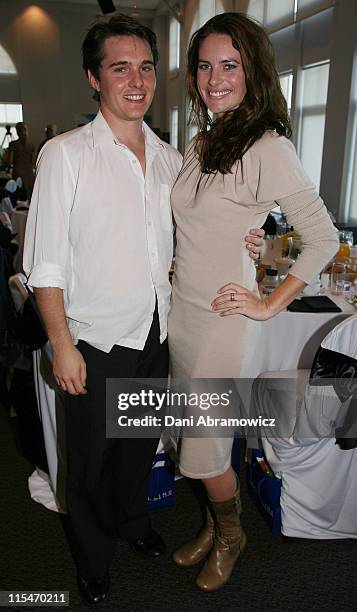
274 574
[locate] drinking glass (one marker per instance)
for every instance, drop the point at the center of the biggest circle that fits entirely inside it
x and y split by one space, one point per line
338 272
282 265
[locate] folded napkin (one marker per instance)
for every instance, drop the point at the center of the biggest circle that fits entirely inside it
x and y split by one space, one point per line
316 303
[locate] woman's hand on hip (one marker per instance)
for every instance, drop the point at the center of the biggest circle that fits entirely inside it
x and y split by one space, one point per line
234 299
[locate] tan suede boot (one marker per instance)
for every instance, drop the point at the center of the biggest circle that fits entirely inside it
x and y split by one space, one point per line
229 541
193 552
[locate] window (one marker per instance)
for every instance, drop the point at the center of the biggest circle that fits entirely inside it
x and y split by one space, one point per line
275 14
255 10
286 84
192 131
219 8
206 10
174 126
278 13
10 114
352 217
272 13
6 64
174 56
312 123
309 7
351 186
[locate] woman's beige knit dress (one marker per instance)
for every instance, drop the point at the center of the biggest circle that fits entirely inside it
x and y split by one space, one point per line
212 219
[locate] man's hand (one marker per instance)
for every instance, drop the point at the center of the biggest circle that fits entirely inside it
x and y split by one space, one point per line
69 367
255 243
69 370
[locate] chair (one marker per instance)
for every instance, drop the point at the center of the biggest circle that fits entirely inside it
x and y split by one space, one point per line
9 197
51 407
319 479
47 489
22 393
19 293
6 206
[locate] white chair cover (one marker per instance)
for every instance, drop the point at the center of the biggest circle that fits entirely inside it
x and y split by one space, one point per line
343 338
48 490
319 480
51 407
5 220
18 290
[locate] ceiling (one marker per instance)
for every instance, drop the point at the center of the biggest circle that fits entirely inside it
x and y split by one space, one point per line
140 4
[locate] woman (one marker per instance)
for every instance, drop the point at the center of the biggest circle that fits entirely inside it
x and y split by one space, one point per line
234 172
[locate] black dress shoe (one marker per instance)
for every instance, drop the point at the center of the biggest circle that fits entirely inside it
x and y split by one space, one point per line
150 545
94 590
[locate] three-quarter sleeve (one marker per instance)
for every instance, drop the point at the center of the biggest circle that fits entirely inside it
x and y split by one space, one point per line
47 248
281 178
307 213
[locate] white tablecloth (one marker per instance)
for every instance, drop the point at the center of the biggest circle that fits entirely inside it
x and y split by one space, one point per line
290 340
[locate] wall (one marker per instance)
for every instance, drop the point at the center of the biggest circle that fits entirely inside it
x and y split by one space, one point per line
158 111
44 42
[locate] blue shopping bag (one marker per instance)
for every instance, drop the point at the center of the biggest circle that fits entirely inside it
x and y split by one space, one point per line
265 489
161 483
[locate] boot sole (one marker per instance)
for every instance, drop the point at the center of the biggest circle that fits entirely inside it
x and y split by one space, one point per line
216 588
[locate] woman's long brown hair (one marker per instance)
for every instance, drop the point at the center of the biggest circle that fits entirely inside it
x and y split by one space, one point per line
223 141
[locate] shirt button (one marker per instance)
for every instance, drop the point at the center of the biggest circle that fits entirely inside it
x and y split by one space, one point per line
133 161
150 223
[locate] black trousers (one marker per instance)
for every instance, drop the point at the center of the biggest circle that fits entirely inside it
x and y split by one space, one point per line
107 479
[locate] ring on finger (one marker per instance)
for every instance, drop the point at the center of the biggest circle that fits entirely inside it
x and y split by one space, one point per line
232 296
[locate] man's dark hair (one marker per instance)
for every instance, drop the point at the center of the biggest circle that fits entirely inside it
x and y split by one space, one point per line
118 25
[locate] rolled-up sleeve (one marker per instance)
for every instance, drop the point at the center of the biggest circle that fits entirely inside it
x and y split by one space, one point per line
47 248
282 179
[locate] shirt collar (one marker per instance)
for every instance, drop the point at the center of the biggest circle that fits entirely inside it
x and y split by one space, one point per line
102 133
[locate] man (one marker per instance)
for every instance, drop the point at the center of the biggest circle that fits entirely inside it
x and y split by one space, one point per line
51 130
98 251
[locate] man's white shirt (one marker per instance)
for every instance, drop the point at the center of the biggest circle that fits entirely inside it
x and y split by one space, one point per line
102 232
